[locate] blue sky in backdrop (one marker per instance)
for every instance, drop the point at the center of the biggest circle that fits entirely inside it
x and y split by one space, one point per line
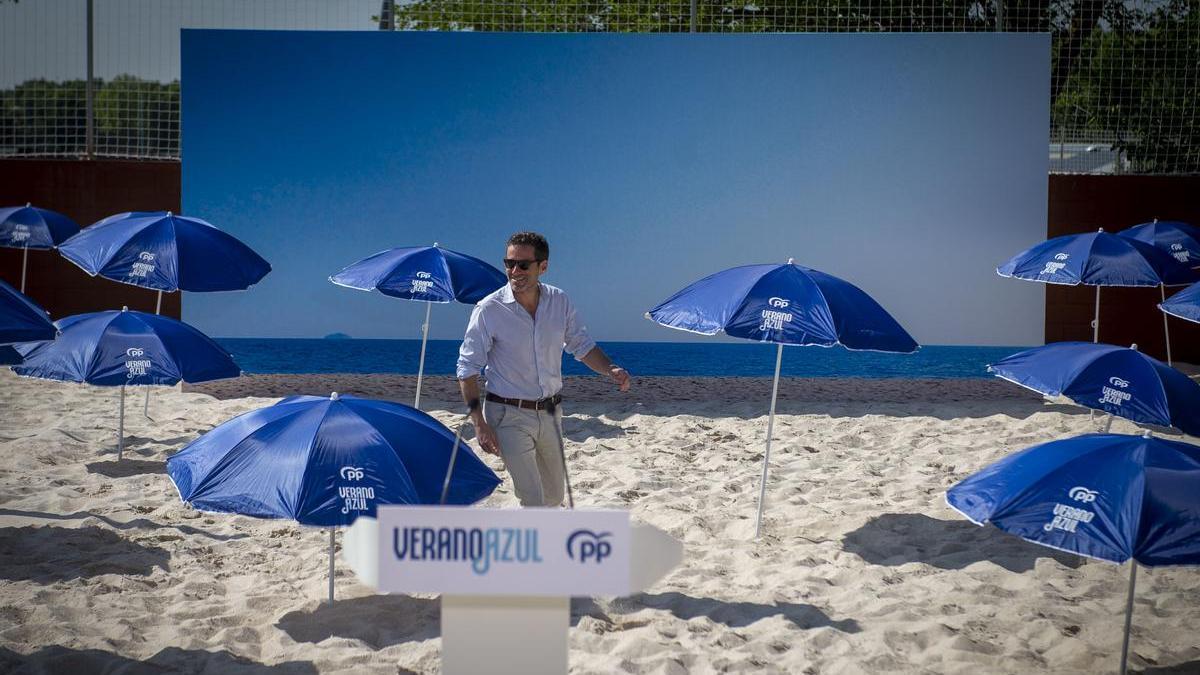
910 165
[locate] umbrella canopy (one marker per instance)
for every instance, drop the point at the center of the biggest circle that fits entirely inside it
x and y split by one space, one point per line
114 349
1185 304
1100 259
1117 380
428 273
21 319
30 227
126 348
784 304
165 252
324 461
1179 239
1097 259
1106 496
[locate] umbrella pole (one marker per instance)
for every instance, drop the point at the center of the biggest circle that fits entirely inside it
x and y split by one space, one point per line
1108 423
332 533
1095 339
24 264
421 364
562 453
450 467
762 487
121 426
1162 288
1128 616
146 406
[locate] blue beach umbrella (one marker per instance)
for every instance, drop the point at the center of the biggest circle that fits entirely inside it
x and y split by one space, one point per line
1180 239
1107 496
21 319
1185 304
423 273
115 349
326 461
165 252
788 305
28 227
1099 259
1116 380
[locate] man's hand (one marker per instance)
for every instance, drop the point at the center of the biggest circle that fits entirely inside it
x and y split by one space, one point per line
487 438
620 376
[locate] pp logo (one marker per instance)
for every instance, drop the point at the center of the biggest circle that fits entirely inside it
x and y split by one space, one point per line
135 352
779 302
1118 382
422 283
1082 494
146 256
1176 247
1062 256
587 544
351 473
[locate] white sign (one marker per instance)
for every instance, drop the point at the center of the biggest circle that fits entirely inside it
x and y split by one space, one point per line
466 551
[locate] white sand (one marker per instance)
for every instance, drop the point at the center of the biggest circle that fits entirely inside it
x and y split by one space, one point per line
862 569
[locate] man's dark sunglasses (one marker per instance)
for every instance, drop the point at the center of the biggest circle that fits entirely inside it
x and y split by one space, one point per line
509 263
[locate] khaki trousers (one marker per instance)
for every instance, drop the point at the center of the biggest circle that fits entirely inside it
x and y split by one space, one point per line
529 447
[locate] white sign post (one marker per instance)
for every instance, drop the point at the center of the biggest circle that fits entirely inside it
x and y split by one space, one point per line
506 576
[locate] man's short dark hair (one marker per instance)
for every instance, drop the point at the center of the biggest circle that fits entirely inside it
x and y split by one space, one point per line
541 248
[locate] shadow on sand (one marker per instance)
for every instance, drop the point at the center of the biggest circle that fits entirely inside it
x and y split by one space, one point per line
48 554
1189 668
126 468
135 524
897 538
57 659
731 614
379 621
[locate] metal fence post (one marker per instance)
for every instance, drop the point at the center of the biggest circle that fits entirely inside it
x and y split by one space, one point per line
90 132
695 14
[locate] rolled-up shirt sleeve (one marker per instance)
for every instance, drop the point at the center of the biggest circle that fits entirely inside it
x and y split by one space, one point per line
472 354
576 340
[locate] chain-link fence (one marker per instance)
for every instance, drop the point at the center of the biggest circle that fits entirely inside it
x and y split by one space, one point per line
1125 77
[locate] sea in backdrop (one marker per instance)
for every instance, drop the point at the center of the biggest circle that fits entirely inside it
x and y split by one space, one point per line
714 359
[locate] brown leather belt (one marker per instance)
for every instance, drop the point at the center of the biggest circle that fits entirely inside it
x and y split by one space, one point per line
540 404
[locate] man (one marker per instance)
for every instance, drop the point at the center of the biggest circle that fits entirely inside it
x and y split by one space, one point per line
518 334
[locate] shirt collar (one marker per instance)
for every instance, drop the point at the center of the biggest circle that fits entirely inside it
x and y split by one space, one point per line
507 297
506 294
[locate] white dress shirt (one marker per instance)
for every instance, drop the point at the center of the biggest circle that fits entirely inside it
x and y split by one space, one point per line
522 354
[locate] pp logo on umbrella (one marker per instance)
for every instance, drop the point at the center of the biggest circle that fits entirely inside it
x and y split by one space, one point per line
135 365
1082 494
143 266
1115 396
1059 262
773 319
422 283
